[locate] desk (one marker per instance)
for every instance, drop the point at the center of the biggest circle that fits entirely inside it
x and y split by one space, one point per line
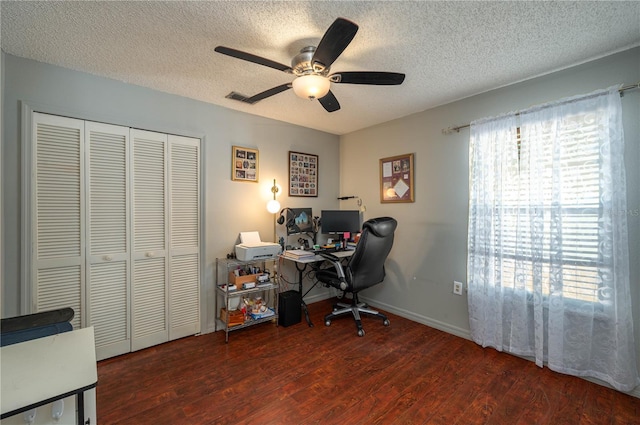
43 370
301 266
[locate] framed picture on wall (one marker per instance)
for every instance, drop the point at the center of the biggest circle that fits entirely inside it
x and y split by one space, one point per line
396 179
244 164
303 174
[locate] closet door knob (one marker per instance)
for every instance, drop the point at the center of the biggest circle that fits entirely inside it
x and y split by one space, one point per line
108 258
150 254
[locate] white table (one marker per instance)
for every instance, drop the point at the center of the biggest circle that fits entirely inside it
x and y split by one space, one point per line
43 370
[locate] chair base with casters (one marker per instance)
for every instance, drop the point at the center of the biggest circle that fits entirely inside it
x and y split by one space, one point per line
355 308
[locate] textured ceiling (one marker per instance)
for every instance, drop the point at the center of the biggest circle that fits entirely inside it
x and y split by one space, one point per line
448 50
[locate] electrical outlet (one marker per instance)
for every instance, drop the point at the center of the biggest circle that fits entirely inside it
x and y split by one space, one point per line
457 287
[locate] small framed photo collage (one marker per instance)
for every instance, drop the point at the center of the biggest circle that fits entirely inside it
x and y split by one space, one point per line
303 174
244 164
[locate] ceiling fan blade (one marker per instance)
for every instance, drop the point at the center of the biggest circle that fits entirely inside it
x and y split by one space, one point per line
253 58
329 102
263 95
334 41
368 77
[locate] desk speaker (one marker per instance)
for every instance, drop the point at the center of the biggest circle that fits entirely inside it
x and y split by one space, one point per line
289 308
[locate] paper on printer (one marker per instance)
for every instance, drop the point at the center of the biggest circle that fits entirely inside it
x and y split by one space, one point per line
252 248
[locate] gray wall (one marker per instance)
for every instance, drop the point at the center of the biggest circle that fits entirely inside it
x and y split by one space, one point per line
229 207
431 244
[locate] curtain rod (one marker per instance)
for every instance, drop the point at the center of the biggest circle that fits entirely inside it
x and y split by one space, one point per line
457 129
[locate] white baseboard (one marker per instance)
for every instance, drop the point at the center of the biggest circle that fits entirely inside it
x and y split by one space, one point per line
318 297
436 324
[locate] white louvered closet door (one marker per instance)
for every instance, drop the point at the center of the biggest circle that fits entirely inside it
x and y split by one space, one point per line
149 294
115 230
57 218
184 206
108 259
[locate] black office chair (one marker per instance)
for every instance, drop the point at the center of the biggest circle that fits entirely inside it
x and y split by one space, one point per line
364 269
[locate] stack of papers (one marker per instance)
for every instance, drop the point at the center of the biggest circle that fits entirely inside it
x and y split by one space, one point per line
299 254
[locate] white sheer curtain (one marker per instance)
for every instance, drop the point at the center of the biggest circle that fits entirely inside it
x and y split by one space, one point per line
548 263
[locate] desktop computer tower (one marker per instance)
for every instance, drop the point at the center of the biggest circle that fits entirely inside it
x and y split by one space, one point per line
289 308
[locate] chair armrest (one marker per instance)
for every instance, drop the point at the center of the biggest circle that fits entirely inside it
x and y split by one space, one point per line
338 266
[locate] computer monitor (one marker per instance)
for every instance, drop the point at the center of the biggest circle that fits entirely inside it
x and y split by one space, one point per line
301 222
340 221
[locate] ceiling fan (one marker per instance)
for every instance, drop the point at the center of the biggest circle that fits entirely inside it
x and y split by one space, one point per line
312 66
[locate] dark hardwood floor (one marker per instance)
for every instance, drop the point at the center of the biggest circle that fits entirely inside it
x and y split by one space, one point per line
407 373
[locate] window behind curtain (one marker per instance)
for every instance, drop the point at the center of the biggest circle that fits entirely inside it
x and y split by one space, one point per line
579 182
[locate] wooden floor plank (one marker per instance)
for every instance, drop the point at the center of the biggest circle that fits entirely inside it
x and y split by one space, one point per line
406 373
495 387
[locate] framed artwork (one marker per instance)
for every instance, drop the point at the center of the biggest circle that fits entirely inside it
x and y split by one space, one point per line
303 174
244 164
396 179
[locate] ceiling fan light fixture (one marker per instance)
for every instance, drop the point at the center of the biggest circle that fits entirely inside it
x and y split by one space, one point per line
311 86
312 67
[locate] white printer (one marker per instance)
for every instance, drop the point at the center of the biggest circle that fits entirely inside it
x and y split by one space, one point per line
252 248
